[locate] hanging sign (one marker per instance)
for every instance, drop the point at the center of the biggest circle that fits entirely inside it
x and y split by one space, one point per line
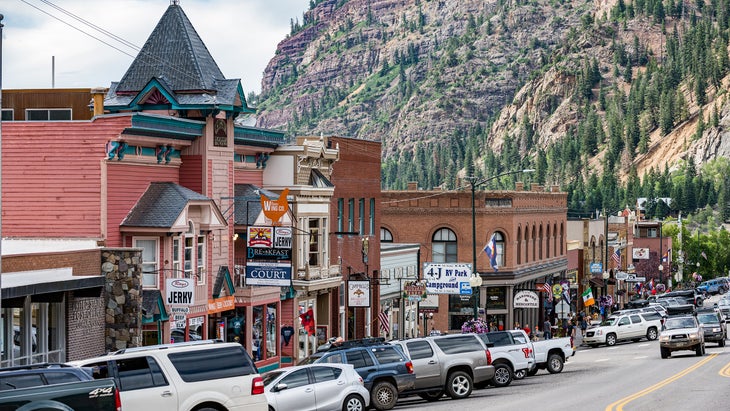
526 299
358 293
447 278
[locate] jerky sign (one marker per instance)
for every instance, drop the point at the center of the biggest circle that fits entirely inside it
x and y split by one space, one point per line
179 291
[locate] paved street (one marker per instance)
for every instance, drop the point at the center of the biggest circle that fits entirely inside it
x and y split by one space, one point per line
628 376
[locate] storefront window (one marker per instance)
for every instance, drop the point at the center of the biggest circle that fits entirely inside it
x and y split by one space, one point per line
258 330
460 310
496 298
32 333
271 346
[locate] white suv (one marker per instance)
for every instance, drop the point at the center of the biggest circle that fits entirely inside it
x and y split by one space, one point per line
201 375
630 326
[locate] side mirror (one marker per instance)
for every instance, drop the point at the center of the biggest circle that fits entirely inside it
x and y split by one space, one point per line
280 387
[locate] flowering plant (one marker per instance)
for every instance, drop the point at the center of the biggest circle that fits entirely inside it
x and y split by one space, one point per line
478 326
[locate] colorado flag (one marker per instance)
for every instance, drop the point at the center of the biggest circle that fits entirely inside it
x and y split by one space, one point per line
491 250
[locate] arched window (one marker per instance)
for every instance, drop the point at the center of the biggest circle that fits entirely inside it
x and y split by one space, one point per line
561 240
385 235
526 241
539 244
534 243
443 246
547 243
519 245
555 239
499 239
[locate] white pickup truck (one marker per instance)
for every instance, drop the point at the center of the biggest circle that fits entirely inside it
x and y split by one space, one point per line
631 326
512 356
549 354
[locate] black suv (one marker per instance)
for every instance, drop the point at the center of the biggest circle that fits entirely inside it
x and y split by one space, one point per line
41 374
692 296
386 371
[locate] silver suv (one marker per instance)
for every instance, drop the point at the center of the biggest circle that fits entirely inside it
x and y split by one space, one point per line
450 364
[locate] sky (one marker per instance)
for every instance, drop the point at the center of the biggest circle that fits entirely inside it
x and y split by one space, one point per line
241 35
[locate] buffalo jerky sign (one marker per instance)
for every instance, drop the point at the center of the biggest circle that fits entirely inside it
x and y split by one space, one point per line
270 274
179 291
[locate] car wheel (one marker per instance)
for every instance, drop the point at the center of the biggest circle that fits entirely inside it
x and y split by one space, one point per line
554 364
664 352
502 375
432 396
651 334
353 402
459 385
383 396
520 374
532 372
699 351
611 340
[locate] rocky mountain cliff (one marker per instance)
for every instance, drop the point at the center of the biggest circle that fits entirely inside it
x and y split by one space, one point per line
469 76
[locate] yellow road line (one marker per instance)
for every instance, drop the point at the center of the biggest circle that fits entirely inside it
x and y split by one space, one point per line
619 405
725 371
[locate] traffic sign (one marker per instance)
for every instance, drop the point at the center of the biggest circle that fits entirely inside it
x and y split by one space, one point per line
632 278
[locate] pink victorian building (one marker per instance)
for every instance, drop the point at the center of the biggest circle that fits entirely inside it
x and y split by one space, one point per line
157 193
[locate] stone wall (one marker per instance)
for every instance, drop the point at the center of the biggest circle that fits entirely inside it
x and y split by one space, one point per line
123 290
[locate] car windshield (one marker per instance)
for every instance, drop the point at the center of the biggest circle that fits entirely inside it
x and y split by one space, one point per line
271 376
677 323
708 319
610 321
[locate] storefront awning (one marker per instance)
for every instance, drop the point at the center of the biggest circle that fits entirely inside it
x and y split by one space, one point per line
153 307
24 283
597 282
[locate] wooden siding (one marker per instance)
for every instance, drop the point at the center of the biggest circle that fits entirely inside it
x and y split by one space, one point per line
125 185
77 100
255 177
52 177
191 172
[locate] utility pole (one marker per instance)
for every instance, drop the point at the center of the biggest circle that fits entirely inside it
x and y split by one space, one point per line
680 257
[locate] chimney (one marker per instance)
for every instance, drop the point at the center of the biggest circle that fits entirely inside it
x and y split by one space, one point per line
534 187
412 186
519 186
97 95
554 188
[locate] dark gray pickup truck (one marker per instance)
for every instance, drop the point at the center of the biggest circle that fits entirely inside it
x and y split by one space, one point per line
56 387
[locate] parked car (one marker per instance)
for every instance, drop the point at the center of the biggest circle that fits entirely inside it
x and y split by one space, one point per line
724 306
714 286
385 369
451 364
682 332
199 375
510 356
634 326
552 354
690 296
713 324
316 387
57 387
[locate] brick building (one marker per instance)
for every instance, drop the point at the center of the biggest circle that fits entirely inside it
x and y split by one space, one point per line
529 227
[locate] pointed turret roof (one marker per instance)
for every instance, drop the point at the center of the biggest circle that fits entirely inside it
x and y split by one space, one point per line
176 52
174 67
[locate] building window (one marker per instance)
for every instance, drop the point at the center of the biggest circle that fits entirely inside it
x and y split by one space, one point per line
652 232
188 258
499 239
372 216
314 242
8 115
340 215
351 215
200 273
271 332
47 114
35 333
361 215
519 246
176 256
444 246
150 251
385 235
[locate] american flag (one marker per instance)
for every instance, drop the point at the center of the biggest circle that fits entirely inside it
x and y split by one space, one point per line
384 323
548 289
616 257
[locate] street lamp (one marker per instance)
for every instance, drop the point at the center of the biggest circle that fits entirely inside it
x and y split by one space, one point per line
661 270
474 182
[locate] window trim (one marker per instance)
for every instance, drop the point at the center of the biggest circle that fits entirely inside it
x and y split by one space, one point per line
48 113
156 271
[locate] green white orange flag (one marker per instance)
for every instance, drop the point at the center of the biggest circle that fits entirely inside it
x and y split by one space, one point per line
588 298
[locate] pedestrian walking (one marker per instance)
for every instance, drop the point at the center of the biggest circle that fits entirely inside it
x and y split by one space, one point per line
547 329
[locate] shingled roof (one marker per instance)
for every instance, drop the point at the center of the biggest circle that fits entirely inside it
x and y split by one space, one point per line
248 203
173 50
161 205
175 61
